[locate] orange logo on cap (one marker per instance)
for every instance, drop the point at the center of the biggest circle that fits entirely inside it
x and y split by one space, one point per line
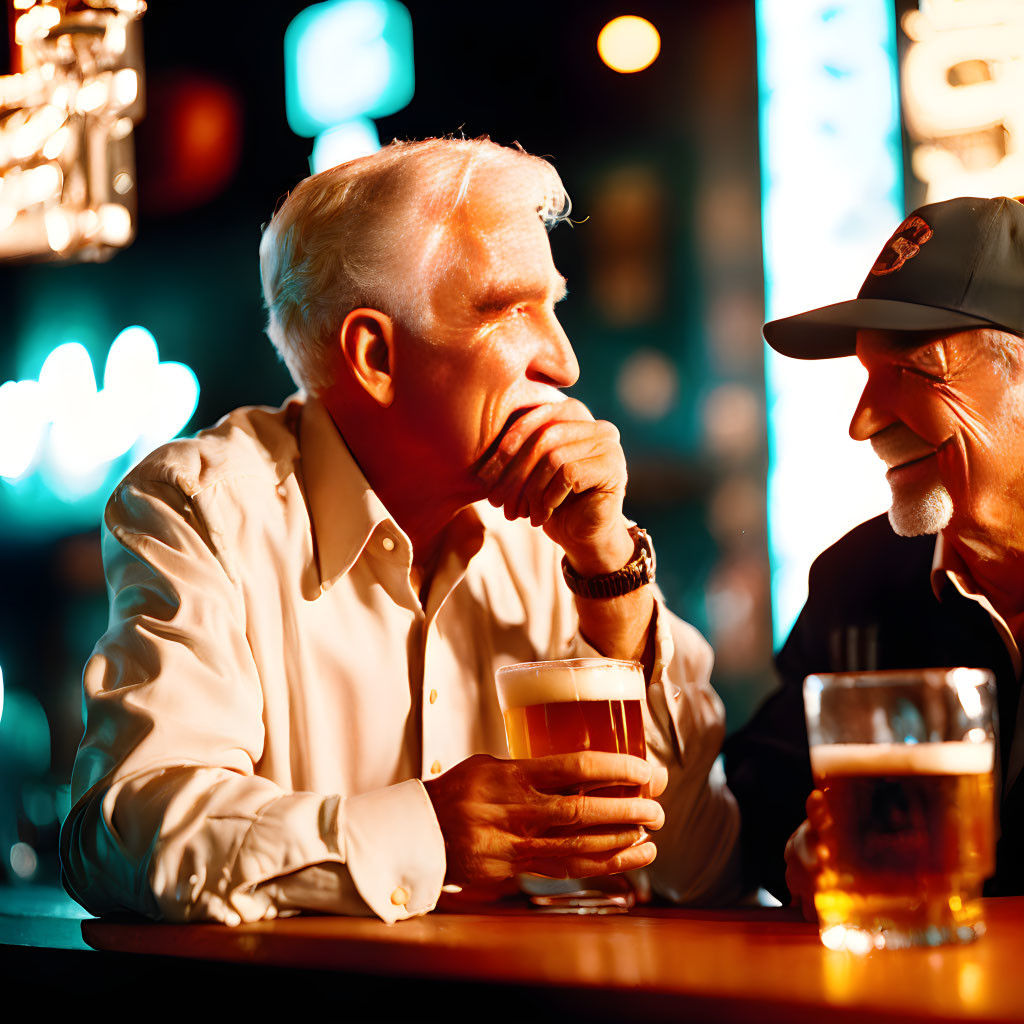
905 244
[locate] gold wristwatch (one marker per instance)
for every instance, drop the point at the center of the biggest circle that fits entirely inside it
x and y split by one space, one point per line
636 573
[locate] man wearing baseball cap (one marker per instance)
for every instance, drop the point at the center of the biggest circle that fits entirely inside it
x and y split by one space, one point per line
939 326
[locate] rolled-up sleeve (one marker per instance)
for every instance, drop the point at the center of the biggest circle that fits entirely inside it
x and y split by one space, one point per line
169 817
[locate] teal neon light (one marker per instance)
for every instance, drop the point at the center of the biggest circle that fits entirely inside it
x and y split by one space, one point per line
344 142
832 192
346 59
64 442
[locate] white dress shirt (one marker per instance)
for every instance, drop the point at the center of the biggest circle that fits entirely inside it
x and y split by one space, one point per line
270 691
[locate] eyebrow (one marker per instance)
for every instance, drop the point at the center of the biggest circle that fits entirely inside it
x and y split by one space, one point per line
497 297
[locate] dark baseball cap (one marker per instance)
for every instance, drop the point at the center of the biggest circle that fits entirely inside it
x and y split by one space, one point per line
949 266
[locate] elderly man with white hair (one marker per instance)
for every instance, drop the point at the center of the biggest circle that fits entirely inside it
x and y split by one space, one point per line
294 707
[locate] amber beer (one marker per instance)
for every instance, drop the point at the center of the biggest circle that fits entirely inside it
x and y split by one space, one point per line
559 707
911 841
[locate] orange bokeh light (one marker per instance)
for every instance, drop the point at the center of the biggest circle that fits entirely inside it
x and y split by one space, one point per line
629 44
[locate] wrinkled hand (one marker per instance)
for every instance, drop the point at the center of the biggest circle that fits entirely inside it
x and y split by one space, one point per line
501 818
807 854
566 471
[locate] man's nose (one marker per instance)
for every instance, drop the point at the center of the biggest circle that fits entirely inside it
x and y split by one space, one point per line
871 415
555 361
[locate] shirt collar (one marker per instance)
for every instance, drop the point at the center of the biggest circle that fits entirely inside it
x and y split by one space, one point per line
944 560
949 567
343 508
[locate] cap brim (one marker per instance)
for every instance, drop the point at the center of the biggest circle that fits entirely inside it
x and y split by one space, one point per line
832 330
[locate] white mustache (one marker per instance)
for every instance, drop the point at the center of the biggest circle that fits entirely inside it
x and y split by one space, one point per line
898 444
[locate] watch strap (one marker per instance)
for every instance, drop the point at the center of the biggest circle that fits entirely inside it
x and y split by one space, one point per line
636 573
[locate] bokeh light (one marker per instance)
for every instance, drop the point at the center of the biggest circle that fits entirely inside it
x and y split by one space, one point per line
648 384
629 44
73 434
191 141
732 417
342 143
24 861
345 59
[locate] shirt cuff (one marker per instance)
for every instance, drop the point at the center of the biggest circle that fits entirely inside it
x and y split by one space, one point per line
394 850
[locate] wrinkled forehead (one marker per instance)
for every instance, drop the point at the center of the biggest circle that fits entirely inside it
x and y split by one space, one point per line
499 213
496 247
473 217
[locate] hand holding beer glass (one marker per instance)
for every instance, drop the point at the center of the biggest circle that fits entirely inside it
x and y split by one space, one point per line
560 707
904 761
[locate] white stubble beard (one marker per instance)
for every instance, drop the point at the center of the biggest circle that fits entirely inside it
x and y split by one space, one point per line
928 511
920 507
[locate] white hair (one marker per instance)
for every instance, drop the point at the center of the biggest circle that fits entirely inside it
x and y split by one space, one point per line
377 232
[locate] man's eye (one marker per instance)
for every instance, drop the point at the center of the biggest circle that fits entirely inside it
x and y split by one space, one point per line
921 372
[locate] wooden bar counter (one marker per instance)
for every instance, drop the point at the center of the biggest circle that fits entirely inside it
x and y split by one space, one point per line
752 963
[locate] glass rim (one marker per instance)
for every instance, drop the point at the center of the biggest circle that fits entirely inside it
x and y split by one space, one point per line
881 677
590 662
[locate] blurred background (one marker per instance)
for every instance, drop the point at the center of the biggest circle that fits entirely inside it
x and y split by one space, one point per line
728 163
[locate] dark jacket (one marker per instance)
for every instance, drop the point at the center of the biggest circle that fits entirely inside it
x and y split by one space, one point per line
870 605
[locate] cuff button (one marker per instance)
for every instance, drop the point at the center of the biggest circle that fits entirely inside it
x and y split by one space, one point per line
400 897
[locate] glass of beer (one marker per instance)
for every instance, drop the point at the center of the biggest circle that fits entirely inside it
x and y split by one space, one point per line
905 760
560 707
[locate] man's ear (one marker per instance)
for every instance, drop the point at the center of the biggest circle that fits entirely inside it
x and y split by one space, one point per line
367 340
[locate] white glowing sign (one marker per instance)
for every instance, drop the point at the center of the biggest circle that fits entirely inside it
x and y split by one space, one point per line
832 192
963 96
69 431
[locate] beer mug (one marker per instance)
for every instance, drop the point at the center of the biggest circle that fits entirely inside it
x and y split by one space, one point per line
905 760
560 707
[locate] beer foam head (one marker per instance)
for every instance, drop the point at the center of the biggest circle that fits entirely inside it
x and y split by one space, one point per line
557 682
902 759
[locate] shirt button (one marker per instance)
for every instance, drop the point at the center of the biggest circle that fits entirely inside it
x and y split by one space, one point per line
387 544
400 897
433 696
435 768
